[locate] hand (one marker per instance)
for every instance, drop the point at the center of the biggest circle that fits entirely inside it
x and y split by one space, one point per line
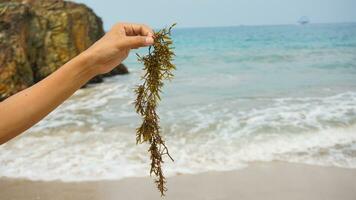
115 46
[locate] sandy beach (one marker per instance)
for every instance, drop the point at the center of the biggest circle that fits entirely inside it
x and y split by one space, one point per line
258 181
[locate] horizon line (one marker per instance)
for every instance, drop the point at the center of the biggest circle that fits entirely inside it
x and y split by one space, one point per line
251 25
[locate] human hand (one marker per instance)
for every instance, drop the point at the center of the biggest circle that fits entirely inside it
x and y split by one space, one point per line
115 46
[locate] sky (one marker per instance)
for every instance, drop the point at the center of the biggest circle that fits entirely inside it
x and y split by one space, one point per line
207 13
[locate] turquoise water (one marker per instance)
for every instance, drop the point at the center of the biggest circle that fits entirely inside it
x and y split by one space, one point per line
241 94
245 62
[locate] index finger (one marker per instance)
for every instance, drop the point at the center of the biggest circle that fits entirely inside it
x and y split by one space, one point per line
137 29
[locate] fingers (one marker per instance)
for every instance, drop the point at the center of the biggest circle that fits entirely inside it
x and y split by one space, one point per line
134 42
137 29
136 35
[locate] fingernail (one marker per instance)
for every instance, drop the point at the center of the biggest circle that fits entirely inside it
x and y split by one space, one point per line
149 40
150 34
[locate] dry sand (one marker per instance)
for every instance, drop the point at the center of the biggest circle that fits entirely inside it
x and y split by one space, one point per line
265 181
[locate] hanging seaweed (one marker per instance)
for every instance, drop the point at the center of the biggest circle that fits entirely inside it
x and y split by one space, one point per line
158 67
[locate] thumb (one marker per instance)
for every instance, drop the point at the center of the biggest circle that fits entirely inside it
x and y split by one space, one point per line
134 42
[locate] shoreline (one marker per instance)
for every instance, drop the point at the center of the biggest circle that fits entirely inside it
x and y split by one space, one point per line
263 180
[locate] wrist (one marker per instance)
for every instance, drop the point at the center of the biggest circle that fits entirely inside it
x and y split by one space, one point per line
86 66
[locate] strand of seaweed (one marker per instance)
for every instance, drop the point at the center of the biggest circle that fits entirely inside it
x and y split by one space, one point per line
158 67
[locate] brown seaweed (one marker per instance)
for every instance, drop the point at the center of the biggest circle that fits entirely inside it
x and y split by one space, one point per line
158 67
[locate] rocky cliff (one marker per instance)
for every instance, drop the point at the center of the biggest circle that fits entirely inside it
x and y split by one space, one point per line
39 36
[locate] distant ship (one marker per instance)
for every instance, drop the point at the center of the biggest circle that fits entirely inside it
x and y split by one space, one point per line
304 20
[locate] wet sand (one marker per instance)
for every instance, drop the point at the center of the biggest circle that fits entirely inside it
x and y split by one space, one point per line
267 181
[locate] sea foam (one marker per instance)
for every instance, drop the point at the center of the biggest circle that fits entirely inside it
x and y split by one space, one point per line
212 137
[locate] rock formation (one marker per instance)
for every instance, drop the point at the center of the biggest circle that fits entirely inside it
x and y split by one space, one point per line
39 36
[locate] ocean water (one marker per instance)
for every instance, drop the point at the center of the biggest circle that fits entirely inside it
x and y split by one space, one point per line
240 95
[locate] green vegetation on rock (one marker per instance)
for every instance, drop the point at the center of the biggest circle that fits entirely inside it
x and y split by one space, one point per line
39 36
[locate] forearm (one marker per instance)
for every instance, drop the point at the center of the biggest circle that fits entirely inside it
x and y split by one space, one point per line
26 108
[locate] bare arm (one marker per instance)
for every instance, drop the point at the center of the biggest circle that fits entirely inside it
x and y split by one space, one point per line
16 115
